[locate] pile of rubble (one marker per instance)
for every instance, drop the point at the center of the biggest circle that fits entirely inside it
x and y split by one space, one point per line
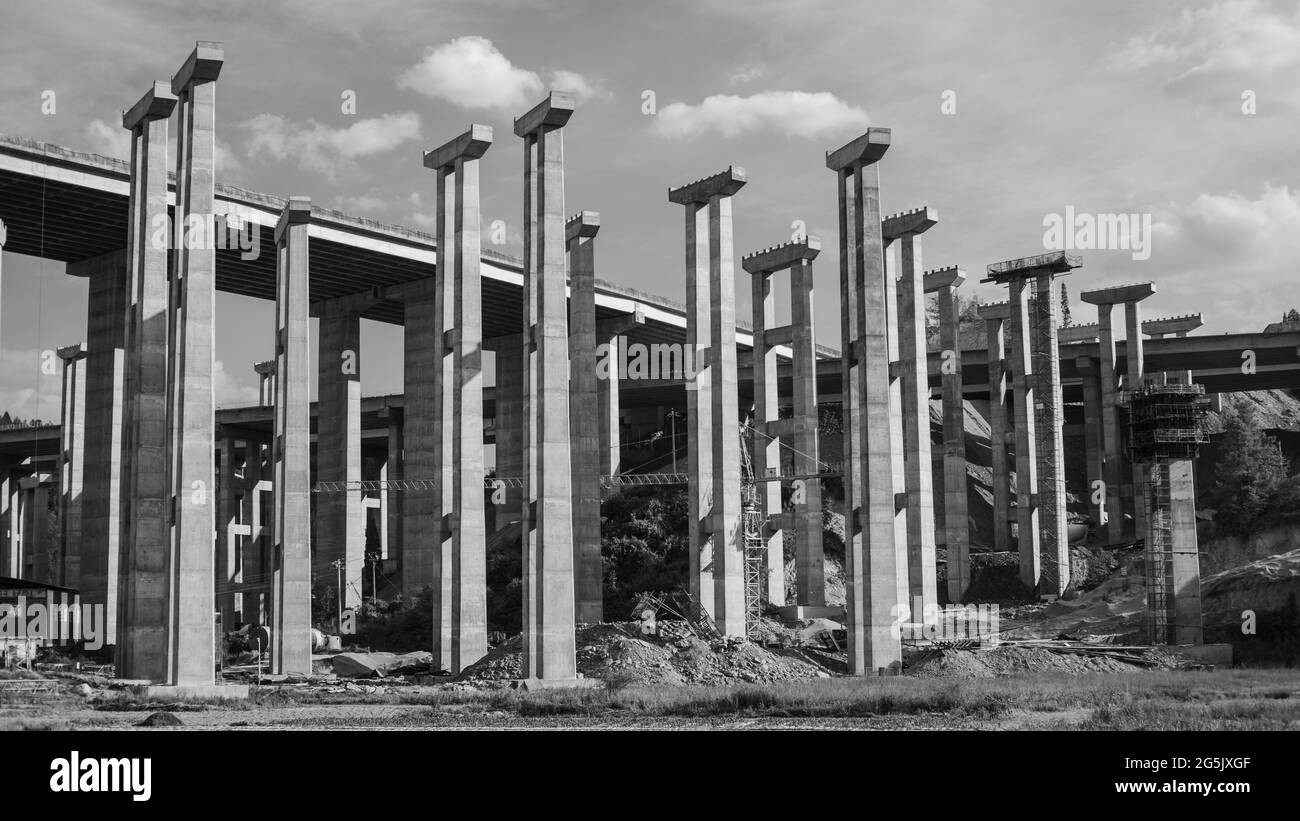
618 653
1037 657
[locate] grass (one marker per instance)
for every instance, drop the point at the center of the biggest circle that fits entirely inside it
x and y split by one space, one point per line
1157 700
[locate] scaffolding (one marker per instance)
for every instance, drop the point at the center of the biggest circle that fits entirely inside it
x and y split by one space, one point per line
1166 424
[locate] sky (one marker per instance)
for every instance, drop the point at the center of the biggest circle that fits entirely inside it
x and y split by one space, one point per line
1002 114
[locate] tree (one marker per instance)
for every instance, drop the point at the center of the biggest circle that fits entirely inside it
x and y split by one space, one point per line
1250 468
1291 316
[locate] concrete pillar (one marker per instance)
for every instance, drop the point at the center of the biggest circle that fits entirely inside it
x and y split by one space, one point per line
1185 560
394 473
35 562
340 519
193 416
227 569
1133 358
265 383
422 526
797 435
4 237
143 612
1050 423
767 430
1040 458
509 422
717 540
956 521
608 409
870 573
584 416
460 600
291 447
995 316
547 510
1090 373
254 562
1111 452
72 462
913 373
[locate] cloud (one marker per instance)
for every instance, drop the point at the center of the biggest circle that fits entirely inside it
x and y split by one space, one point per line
745 74
109 141
472 73
1235 247
792 113
26 391
581 88
1234 35
321 149
230 392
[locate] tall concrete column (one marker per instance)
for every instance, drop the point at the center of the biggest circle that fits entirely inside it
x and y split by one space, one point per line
871 569
798 435
1133 358
35 549
143 611
227 569
914 381
956 522
610 336
717 543
291 447
1040 452
340 517
767 427
422 525
460 601
72 462
584 419
394 470
509 423
1090 374
1123 487
547 512
1185 559
265 383
995 316
193 416
253 559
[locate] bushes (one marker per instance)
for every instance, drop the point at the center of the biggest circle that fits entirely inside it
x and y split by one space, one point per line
1249 470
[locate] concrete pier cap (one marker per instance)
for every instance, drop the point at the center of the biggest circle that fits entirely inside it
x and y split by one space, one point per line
1053 262
938 278
471 145
916 221
584 224
1078 333
156 104
554 111
1171 325
780 257
297 211
721 184
202 66
866 149
1115 294
995 310
76 351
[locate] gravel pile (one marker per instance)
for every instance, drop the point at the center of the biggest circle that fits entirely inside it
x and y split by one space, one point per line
617 653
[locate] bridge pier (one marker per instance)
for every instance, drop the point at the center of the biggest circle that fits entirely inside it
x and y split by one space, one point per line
872 455
584 416
340 517
547 514
956 521
996 316
798 433
716 545
72 466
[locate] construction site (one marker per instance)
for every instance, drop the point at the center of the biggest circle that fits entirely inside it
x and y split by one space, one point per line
586 487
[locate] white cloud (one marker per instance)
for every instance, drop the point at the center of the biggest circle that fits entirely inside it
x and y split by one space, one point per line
109 141
472 73
319 148
1234 35
745 74
793 113
230 392
581 88
1238 249
26 391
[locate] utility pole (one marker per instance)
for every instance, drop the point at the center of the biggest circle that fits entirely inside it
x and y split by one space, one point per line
374 560
337 564
673 416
